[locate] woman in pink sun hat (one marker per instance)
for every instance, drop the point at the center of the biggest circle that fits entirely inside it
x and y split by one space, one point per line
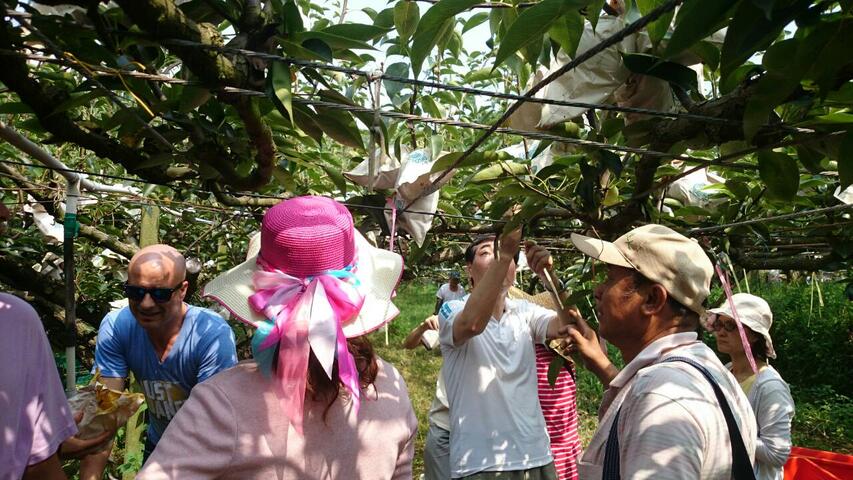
315 402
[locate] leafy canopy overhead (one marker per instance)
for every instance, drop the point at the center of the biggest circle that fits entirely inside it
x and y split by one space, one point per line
196 99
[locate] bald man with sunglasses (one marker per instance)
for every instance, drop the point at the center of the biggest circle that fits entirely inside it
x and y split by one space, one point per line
169 346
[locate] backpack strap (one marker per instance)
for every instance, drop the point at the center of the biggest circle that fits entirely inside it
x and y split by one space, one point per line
741 465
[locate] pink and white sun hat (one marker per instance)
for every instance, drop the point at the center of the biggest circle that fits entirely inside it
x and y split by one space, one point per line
306 236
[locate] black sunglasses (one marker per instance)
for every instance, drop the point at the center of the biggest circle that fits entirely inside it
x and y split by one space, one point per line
159 295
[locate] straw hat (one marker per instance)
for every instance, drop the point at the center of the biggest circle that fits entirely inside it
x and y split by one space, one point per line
305 237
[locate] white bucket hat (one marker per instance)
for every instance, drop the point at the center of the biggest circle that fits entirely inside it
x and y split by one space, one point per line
753 312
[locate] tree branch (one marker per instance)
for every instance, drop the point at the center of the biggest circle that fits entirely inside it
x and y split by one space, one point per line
808 263
100 238
163 19
15 75
230 200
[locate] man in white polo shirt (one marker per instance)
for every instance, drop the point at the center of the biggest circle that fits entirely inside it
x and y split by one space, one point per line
669 422
496 425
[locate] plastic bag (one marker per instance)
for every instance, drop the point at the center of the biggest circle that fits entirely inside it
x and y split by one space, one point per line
385 173
595 80
415 178
103 409
690 189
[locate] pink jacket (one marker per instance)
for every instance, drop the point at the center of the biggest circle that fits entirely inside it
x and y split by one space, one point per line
232 428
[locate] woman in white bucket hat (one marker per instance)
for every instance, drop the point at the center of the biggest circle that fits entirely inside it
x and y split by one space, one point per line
767 392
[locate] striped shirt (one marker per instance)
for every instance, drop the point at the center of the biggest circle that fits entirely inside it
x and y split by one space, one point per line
561 416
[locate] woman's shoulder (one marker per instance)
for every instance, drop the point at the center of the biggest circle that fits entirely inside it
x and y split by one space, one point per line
769 381
770 375
388 376
243 375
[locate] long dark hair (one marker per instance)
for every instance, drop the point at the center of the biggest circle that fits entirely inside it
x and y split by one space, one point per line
320 388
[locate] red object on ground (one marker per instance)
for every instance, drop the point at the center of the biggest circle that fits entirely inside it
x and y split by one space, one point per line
808 464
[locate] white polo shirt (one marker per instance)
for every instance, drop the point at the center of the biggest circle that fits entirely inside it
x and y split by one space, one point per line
446 294
671 425
496 423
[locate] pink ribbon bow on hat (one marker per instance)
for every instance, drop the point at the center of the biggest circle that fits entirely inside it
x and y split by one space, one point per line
307 312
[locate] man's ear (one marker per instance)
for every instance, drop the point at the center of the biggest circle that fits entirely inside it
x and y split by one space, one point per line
184 286
655 299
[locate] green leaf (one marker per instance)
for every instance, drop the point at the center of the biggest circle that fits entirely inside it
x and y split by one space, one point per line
532 24
779 172
845 161
432 108
336 176
674 73
750 31
335 41
399 69
431 25
739 189
192 97
280 88
306 121
554 369
292 21
367 118
480 75
356 31
737 77
385 19
771 91
593 12
476 158
340 126
567 31
692 210
529 208
829 54
498 170
810 158
298 51
708 52
513 190
319 48
77 99
406 16
474 21
15 107
833 118
659 27
696 20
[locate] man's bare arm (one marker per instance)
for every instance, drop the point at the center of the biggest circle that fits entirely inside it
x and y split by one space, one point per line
474 318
